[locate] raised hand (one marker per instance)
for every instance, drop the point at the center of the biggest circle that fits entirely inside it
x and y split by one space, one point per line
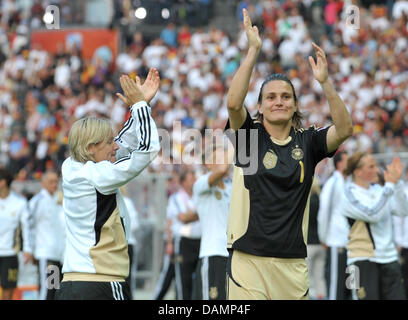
151 84
394 171
320 70
252 32
148 90
131 89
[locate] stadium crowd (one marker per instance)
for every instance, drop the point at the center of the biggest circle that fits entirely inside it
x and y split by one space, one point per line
42 94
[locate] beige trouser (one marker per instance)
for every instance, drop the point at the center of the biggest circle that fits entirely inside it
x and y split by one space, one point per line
266 278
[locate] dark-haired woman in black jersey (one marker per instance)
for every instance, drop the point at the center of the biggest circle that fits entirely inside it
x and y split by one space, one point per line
274 166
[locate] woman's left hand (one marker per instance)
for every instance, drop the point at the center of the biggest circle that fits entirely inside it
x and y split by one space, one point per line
151 84
320 70
134 90
131 89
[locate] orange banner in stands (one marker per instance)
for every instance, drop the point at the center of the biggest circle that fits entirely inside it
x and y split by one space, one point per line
88 40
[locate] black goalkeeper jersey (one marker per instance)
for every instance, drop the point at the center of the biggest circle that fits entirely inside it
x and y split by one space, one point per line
269 209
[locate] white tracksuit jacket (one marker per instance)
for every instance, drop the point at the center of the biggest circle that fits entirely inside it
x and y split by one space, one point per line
369 212
401 227
48 224
14 218
333 228
96 217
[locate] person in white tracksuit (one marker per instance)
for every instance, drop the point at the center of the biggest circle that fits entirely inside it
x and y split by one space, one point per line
14 220
333 230
372 256
212 194
96 262
48 225
401 239
186 232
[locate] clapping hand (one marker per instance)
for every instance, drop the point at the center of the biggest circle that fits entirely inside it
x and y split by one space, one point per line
134 91
151 84
131 89
394 171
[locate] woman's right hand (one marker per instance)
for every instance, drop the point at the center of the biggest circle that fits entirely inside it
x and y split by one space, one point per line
394 171
252 32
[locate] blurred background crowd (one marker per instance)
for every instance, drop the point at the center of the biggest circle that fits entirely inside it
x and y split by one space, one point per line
197 53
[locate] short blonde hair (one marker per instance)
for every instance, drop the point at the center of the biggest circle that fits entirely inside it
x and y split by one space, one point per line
86 132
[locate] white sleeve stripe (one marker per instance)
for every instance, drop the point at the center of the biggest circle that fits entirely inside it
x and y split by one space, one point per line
369 210
142 145
149 128
145 128
146 118
126 127
123 159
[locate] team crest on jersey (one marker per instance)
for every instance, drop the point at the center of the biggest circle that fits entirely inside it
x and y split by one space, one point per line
218 195
297 153
270 159
213 293
361 293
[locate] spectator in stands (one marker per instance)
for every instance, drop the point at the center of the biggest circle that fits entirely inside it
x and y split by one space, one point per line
331 16
184 36
400 9
169 35
18 151
372 46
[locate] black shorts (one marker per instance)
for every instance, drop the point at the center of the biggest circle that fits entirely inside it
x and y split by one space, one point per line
379 281
93 290
8 272
212 272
